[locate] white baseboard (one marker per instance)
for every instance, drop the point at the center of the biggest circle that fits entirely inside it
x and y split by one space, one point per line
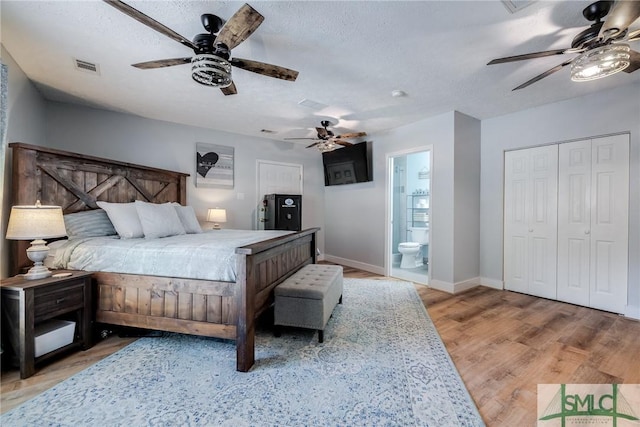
355 264
492 283
632 312
454 288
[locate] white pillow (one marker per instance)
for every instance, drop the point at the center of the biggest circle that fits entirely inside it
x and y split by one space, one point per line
159 220
188 218
124 218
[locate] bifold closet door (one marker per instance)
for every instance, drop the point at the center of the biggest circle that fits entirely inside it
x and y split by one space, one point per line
530 212
593 221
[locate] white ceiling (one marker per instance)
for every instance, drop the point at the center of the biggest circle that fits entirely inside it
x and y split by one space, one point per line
351 55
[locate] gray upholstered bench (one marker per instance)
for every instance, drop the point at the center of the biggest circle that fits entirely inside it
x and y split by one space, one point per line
308 297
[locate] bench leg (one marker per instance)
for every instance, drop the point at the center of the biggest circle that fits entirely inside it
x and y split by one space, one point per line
340 300
276 331
320 336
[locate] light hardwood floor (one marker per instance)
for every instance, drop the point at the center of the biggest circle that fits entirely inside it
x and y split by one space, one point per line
503 343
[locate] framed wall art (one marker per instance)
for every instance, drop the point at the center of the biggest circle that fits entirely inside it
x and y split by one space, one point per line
214 165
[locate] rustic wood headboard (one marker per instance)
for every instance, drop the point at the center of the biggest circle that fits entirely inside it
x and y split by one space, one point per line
75 182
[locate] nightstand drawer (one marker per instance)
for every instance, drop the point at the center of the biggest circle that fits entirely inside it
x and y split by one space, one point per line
48 302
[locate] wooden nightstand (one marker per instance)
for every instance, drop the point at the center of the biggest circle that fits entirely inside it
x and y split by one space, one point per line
26 303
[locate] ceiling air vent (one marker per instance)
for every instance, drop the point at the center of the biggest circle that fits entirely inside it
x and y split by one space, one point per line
86 66
515 5
312 104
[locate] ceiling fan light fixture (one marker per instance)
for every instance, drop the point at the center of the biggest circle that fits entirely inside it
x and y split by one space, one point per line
211 70
326 146
600 62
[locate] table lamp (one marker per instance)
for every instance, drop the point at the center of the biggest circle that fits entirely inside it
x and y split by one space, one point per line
36 223
216 216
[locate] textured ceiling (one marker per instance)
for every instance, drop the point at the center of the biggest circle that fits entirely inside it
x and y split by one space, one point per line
351 55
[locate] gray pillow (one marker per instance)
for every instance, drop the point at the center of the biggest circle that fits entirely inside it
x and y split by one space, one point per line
158 220
124 218
92 223
188 218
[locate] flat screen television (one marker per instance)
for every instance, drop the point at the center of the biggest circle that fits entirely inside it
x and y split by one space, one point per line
348 165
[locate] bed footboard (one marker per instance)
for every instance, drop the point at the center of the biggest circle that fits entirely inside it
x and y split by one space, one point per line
197 307
261 267
201 307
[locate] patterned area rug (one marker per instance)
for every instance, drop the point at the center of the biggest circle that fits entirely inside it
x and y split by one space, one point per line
382 364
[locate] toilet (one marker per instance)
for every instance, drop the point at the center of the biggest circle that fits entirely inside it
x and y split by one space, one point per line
411 253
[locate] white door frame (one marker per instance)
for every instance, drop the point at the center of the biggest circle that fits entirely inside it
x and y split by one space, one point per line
259 163
388 241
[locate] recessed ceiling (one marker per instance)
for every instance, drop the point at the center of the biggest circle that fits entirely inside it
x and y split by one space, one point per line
351 55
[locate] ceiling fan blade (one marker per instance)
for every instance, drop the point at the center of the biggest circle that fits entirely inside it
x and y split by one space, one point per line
635 62
340 142
633 36
322 132
527 56
160 63
229 90
241 25
274 71
352 135
621 15
314 144
150 22
545 74
291 139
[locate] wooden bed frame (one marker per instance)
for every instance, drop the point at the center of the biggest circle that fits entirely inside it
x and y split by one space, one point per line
199 307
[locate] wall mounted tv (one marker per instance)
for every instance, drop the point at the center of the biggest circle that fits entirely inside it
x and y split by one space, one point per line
348 165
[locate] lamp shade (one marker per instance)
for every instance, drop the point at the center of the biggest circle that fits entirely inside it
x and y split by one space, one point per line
217 215
35 222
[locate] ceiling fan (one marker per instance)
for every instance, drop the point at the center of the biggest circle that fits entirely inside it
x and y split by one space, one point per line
326 140
211 64
602 47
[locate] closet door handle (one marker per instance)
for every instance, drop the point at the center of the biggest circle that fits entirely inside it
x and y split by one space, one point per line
531 230
587 231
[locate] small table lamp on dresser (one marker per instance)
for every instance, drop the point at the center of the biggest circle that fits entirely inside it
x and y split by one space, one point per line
36 223
216 216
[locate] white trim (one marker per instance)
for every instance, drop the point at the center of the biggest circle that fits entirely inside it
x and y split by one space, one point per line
632 312
298 165
388 251
454 288
492 283
355 264
259 196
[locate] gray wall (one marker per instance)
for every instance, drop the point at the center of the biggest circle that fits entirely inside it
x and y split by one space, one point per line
612 111
25 123
466 228
172 146
355 214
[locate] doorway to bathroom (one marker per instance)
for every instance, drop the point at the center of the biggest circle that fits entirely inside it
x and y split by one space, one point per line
408 220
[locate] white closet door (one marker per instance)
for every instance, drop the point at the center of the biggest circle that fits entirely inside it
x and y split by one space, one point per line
531 186
609 222
574 221
516 185
593 222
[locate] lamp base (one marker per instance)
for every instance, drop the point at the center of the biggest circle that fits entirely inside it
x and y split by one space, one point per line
37 252
37 272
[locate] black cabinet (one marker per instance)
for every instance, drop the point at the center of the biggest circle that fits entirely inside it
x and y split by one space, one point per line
283 212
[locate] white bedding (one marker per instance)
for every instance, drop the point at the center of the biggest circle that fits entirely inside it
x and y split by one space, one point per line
209 255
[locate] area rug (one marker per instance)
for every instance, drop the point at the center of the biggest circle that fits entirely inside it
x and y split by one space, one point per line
382 363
